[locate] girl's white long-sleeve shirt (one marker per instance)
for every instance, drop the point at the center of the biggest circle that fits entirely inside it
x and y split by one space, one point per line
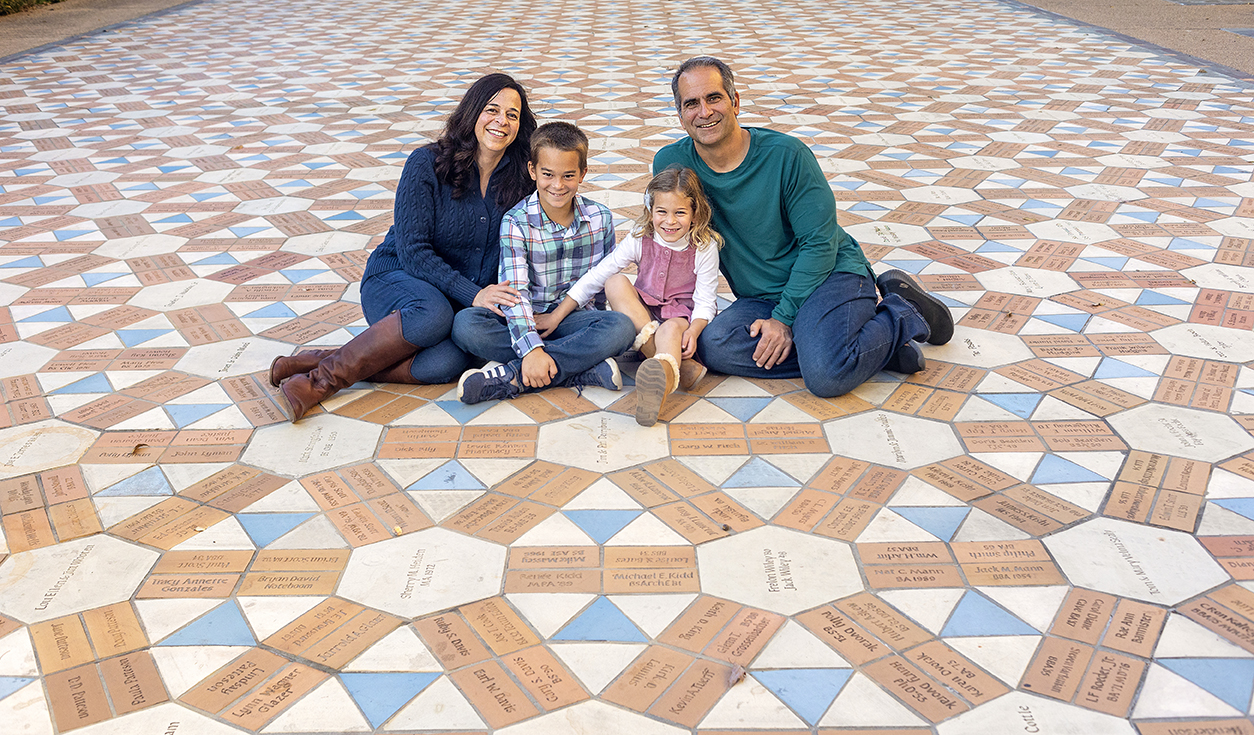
628 251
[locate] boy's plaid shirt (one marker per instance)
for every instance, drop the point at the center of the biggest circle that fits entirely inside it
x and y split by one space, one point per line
543 260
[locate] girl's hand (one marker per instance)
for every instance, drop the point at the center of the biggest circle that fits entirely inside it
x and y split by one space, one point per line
689 340
546 323
496 296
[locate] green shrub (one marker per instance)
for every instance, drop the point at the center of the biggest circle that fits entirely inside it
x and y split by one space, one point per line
8 7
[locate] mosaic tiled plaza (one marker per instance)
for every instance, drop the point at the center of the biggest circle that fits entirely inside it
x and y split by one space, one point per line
1048 530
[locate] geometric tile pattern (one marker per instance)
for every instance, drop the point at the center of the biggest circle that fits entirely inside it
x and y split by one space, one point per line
1051 528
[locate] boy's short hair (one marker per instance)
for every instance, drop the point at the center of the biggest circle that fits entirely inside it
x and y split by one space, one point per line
564 137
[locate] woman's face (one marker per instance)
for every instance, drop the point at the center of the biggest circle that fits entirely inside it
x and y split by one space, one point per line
497 126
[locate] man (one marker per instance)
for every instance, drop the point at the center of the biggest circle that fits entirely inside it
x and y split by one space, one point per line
806 296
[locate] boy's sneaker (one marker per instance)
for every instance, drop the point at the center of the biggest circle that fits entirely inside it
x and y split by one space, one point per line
489 383
604 375
939 321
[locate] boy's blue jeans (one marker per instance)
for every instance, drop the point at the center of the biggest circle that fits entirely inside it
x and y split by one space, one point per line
581 341
841 336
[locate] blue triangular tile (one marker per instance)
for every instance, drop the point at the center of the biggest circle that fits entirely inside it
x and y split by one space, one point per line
1054 469
1230 679
29 262
184 414
996 247
277 310
263 528
381 695
909 266
601 525
449 476
1113 263
1153 298
808 691
602 621
758 473
92 279
976 615
10 684
1020 404
296 276
221 626
463 412
132 337
942 522
59 314
1242 506
246 231
97 383
1112 368
1074 322
742 408
219 259
149 482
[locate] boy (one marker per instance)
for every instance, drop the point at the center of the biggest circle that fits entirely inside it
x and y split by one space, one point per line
548 241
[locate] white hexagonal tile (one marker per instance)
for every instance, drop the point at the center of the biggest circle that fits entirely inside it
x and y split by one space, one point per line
1206 341
778 569
1233 226
423 572
181 294
22 358
1085 233
41 446
325 243
940 195
1181 432
273 205
888 233
220 360
981 348
1027 281
116 208
1020 712
601 442
892 439
1130 560
1124 160
1222 276
311 445
1106 192
71 577
141 246
984 163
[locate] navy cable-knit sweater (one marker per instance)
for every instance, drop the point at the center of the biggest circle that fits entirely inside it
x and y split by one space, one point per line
453 244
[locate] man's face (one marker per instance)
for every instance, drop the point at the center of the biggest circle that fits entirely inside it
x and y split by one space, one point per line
706 113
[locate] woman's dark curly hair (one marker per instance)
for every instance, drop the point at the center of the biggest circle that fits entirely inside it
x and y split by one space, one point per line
455 150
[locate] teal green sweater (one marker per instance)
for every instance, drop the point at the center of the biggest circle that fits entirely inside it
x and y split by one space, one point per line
777 213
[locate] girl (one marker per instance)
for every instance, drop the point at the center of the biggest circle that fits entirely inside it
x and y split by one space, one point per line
673 296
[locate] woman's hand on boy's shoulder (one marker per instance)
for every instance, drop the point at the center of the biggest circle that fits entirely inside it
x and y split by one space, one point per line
496 296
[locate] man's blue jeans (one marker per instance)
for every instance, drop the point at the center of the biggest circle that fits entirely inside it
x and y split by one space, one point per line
841 336
581 341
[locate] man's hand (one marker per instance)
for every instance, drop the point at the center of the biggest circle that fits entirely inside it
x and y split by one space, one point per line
538 369
688 343
775 344
497 295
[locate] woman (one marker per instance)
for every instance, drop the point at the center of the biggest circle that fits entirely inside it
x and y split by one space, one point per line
441 255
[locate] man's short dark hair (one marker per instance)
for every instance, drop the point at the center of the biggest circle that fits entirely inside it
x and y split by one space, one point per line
724 71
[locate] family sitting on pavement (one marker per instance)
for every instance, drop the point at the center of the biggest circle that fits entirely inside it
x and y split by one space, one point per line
494 255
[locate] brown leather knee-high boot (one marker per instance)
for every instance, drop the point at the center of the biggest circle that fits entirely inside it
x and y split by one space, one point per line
285 367
379 347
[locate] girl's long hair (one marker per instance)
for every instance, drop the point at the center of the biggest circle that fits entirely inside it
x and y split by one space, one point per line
677 179
456 148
